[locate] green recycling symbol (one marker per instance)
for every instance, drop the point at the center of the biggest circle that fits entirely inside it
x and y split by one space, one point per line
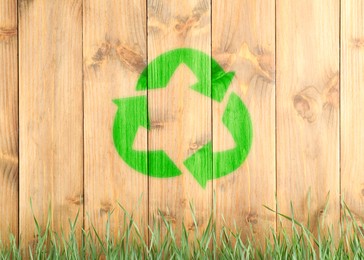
204 164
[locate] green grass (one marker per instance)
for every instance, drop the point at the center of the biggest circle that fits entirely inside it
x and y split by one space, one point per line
296 243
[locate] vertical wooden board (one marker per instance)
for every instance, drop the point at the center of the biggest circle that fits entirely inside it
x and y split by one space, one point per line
352 106
114 56
8 119
180 118
243 41
308 109
50 120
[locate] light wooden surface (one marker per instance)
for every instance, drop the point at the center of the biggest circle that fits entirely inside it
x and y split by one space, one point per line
308 108
8 119
352 106
76 56
244 41
114 56
50 108
180 118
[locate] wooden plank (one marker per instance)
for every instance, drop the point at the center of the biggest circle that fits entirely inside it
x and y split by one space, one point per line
308 109
8 119
180 118
50 106
243 40
114 56
352 107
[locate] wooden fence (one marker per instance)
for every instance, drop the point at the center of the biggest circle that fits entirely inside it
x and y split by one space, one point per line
62 63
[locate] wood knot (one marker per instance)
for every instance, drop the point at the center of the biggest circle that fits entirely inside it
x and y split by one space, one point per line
252 218
7 33
183 25
167 216
101 54
357 43
128 57
332 93
105 207
307 103
131 58
77 200
267 65
259 60
156 125
183 202
192 226
194 146
321 212
224 58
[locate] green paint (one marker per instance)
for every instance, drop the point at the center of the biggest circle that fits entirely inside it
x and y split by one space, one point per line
204 165
131 114
237 120
160 71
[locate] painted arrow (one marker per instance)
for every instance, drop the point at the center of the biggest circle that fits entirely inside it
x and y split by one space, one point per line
124 132
211 83
237 120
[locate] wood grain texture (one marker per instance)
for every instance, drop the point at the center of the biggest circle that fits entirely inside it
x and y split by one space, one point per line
8 119
352 106
244 41
51 114
295 152
180 117
114 56
308 109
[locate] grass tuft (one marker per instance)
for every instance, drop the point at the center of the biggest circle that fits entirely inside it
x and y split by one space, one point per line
297 242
